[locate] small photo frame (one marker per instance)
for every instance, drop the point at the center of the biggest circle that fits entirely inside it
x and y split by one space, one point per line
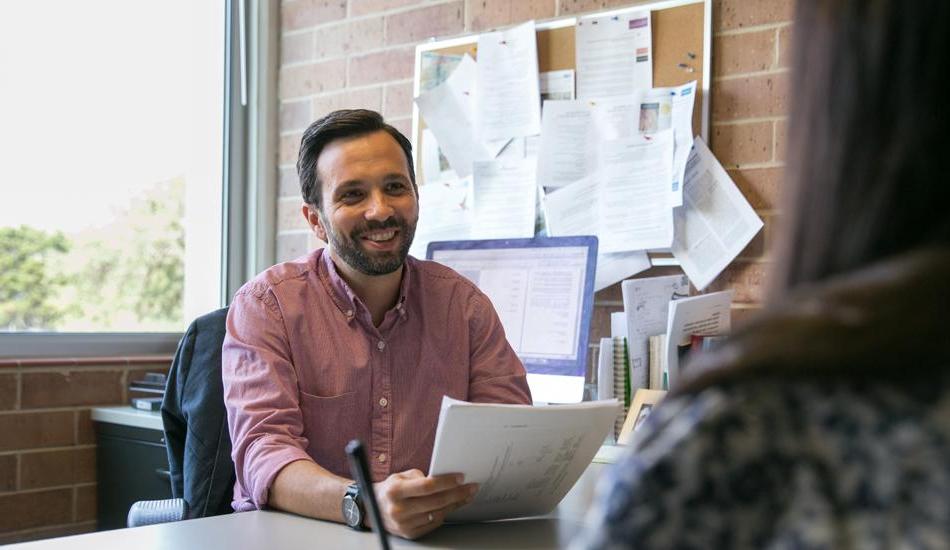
643 402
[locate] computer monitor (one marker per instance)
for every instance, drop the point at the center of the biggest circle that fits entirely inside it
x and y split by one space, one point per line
543 291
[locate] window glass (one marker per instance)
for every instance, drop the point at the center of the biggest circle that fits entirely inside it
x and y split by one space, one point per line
111 145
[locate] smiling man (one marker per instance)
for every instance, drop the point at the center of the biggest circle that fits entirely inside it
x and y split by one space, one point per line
357 340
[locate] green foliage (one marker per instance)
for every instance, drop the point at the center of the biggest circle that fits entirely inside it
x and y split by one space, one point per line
30 284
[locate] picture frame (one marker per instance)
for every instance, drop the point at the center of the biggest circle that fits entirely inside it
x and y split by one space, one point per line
643 402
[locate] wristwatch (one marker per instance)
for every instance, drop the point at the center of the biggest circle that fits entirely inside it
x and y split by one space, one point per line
353 507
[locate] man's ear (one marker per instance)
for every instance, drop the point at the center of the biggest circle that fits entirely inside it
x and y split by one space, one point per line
312 215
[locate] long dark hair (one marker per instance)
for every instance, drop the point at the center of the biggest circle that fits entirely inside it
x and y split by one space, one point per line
868 136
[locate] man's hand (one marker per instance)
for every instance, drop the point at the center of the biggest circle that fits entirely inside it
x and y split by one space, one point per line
412 504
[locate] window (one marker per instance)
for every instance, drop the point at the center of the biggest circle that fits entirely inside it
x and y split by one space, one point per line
111 157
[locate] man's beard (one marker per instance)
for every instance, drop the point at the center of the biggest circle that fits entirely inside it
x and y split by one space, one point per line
375 263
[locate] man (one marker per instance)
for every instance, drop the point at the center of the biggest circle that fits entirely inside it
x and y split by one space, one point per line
357 340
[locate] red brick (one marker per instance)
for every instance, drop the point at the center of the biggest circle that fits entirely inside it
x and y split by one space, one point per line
288 183
85 429
750 97
288 148
289 217
296 48
734 14
742 315
758 247
363 7
70 388
54 468
353 37
32 430
581 6
744 53
312 78
784 47
738 144
781 140
363 98
393 64
8 389
748 280
427 22
86 503
491 14
295 115
291 245
35 509
760 186
8 468
398 100
297 14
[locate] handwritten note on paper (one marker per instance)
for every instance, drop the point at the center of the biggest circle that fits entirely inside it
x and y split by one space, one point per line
613 55
507 81
527 458
715 223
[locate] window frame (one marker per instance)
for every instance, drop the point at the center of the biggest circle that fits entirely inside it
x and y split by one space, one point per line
248 187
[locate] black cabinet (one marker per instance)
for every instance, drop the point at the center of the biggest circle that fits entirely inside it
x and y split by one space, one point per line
131 465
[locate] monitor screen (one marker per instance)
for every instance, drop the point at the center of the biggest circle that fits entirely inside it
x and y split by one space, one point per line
543 291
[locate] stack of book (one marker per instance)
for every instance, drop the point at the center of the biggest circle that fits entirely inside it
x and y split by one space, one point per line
153 386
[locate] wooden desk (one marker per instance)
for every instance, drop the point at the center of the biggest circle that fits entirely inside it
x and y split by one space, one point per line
280 531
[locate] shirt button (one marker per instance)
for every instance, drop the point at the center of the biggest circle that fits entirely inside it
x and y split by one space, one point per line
383 401
381 458
349 313
380 345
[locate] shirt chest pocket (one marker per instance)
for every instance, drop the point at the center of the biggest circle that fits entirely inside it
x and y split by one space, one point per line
329 424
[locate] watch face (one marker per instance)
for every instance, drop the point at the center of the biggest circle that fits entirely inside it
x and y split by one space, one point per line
351 512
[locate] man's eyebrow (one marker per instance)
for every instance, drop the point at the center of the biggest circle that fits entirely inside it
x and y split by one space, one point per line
396 175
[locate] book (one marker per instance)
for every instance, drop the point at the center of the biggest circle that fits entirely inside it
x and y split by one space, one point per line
147 403
657 361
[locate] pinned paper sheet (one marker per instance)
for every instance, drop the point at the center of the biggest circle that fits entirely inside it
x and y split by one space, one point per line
715 222
662 108
613 54
505 197
507 82
445 214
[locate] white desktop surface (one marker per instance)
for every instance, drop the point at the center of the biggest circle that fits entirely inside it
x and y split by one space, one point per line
128 416
280 531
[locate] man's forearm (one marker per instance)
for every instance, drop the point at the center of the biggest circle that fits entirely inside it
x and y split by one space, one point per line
303 487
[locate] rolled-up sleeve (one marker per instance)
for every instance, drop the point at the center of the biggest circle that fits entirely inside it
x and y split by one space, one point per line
260 393
496 375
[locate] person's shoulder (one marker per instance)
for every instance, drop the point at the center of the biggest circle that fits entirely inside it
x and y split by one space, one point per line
272 279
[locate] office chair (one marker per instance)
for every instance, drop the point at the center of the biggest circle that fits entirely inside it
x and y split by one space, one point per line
196 430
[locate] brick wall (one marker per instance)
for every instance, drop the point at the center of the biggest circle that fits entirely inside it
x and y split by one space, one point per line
47 441
359 53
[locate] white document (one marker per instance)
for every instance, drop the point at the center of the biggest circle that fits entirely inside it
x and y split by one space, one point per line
566 152
445 214
635 208
618 325
524 458
557 85
715 223
504 198
646 305
663 108
617 266
449 110
507 82
613 55
707 315
605 369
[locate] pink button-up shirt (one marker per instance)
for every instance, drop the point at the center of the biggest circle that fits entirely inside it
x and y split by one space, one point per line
305 371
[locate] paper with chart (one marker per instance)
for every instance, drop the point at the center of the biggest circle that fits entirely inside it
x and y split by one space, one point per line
613 54
525 459
662 108
445 214
635 208
449 111
507 82
708 314
574 210
646 305
505 197
715 223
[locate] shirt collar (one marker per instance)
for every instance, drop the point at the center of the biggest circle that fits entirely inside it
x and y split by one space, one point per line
343 296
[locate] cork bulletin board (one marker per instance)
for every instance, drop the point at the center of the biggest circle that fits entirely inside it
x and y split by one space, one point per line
682 44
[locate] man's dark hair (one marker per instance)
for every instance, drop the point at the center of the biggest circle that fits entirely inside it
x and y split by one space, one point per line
868 134
345 123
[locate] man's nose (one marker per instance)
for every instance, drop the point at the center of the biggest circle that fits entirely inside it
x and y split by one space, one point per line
378 207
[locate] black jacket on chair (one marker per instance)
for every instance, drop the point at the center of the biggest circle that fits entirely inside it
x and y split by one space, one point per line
196 424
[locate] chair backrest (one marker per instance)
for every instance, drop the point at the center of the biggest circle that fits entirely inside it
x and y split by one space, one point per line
195 420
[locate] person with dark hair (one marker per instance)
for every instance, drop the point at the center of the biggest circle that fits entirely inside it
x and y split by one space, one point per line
825 421
357 341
